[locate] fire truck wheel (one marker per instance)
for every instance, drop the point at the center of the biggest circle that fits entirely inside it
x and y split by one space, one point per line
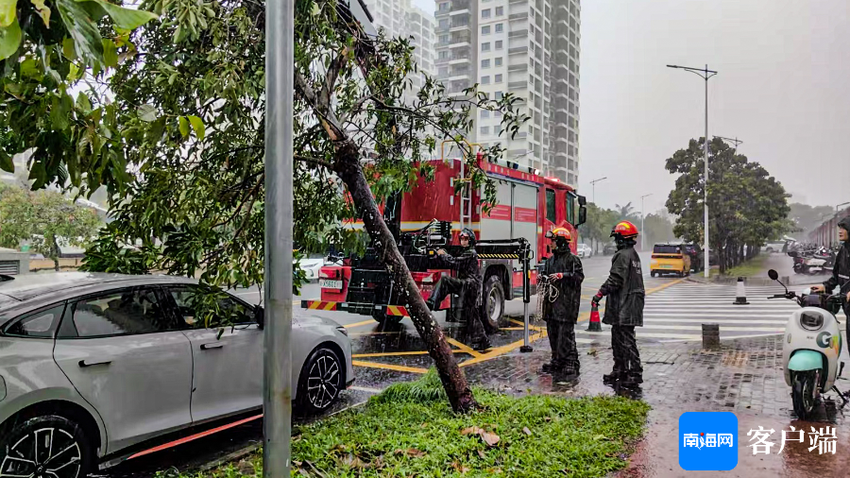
494 303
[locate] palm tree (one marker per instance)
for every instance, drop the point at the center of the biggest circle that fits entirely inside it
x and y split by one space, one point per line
626 211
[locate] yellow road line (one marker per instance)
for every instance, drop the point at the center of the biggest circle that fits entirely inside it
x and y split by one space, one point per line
397 368
664 286
504 349
530 327
400 354
463 347
358 324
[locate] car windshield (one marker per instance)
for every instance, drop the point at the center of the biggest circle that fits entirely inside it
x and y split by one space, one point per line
666 249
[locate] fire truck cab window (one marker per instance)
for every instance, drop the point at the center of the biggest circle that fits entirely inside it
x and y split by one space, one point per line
550 205
571 210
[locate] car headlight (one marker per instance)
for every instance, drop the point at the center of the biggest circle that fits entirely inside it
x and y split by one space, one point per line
342 330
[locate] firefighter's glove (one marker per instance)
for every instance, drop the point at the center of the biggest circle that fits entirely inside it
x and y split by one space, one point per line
556 276
596 298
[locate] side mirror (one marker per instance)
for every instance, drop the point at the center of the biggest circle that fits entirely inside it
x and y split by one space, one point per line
582 216
582 201
260 316
773 274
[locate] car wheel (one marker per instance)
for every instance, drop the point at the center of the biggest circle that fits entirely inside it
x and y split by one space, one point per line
47 445
494 303
651 273
322 378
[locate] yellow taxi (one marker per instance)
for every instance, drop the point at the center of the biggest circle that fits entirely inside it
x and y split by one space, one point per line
669 259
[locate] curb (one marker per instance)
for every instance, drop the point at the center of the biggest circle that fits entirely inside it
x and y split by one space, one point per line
732 280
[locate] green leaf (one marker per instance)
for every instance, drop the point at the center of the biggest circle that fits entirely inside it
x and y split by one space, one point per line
68 49
6 163
8 13
125 18
198 126
83 102
10 39
43 11
147 113
59 114
110 53
183 125
82 28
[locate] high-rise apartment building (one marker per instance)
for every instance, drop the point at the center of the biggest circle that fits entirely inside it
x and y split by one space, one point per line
529 48
399 18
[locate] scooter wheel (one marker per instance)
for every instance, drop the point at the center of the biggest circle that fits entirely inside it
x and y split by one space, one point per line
803 385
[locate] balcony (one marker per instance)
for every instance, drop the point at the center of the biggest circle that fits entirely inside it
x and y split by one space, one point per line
518 16
517 50
520 67
518 85
518 33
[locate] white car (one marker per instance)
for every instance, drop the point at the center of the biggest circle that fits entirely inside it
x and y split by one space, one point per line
96 367
312 266
583 251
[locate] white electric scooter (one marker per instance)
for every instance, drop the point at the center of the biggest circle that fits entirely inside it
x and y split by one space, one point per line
811 348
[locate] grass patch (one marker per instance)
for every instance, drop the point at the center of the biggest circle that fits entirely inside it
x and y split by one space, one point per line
410 430
751 268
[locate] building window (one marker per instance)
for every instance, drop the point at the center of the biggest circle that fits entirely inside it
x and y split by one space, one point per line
485 63
498 44
485 13
485 46
498 78
485 80
444 23
500 11
499 95
443 71
444 38
499 61
485 114
485 130
500 27
485 30
444 7
444 55
497 114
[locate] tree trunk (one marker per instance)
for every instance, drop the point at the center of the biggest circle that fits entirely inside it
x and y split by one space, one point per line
347 166
54 253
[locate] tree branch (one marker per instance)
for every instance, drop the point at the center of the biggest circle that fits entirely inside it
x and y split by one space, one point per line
314 161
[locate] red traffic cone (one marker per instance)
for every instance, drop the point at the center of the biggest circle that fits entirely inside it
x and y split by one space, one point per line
594 325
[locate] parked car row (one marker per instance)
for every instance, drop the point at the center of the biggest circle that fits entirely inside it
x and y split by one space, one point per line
98 366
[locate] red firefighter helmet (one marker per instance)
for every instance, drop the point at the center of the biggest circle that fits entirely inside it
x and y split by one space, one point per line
560 232
625 229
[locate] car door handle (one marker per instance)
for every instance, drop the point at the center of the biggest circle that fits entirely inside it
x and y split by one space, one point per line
92 363
211 346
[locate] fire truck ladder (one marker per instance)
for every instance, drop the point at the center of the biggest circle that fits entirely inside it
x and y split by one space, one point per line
517 249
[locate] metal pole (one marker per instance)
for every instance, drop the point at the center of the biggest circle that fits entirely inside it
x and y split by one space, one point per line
705 186
277 396
525 251
642 217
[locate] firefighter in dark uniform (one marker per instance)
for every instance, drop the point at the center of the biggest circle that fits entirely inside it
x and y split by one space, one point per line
841 269
467 284
564 273
624 306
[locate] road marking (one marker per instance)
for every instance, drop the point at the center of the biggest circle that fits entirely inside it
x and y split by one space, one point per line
398 354
358 388
664 286
397 368
463 347
530 327
358 324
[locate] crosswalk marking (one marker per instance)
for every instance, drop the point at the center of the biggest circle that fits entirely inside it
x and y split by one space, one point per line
677 313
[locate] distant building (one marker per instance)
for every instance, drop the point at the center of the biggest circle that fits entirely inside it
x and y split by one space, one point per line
529 48
827 233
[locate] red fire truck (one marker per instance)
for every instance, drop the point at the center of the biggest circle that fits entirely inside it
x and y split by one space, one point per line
432 214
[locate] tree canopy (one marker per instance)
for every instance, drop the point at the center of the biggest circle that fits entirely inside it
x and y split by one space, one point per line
46 219
747 206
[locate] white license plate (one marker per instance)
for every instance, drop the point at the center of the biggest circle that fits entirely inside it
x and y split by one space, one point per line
666 266
330 284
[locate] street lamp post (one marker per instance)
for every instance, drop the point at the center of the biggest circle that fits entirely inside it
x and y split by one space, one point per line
642 216
593 184
706 75
735 141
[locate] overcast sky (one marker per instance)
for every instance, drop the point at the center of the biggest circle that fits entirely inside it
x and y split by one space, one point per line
783 88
